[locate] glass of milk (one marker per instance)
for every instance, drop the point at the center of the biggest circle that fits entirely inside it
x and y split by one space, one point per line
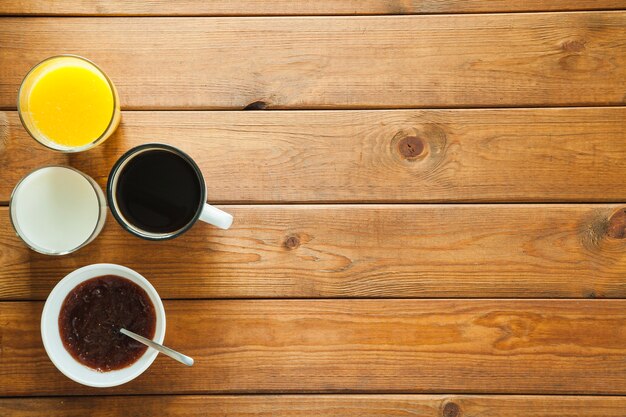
57 210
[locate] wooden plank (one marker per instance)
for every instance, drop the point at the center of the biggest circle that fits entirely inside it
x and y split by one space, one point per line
503 155
571 251
356 346
540 59
289 7
318 405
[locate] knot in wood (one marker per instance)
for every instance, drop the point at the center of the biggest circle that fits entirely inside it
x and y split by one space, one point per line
256 105
617 225
451 410
411 147
575 45
291 242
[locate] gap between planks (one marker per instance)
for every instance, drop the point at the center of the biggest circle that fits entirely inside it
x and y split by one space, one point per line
449 395
520 106
320 15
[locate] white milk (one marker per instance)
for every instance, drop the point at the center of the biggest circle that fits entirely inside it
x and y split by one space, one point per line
56 210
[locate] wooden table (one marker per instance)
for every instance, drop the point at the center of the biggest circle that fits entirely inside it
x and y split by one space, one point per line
429 202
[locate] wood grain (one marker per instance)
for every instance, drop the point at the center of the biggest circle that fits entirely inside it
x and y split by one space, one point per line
524 251
540 59
289 7
503 155
318 405
356 346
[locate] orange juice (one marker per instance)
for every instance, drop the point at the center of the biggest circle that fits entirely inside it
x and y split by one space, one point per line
68 104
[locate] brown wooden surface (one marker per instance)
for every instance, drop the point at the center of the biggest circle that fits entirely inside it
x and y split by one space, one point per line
504 155
475 251
562 69
290 7
319 406
537 59
383 346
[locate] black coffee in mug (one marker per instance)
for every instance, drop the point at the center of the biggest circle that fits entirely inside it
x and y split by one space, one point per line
157 192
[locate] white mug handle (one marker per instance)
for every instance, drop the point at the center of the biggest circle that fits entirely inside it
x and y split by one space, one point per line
216 217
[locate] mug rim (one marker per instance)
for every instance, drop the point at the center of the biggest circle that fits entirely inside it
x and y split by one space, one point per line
111 199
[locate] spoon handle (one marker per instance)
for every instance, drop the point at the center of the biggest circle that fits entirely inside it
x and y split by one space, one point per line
163 349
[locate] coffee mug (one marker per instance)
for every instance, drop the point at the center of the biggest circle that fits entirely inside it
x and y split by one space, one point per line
157 192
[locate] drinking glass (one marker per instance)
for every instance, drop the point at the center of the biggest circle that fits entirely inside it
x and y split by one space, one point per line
57 210
68 104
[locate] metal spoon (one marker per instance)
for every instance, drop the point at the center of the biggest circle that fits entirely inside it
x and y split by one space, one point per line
163 349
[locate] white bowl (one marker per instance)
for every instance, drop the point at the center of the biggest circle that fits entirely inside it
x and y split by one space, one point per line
52 338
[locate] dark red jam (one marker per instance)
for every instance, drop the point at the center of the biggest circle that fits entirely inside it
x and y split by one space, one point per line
92 315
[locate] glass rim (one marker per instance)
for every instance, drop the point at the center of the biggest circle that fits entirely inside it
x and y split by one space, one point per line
90 144
93 233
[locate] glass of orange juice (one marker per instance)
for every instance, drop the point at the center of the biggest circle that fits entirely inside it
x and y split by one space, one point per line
68 104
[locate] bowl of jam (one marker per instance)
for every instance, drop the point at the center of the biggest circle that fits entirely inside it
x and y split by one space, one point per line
82 317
